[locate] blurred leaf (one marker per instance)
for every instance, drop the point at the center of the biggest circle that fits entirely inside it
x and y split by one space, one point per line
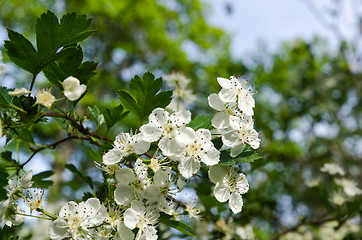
78 173
180 226
3 182
7 233
201 121
94 114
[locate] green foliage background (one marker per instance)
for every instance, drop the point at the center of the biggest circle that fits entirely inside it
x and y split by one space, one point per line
302 87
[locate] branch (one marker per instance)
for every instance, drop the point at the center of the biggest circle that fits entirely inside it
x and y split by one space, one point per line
78 125
52 146
314 222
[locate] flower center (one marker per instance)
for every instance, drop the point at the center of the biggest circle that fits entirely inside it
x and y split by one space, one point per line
192 150
169 130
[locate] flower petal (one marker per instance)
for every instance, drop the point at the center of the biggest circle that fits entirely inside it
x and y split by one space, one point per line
224 83
215 102
221 192
236 202
189 166
123 194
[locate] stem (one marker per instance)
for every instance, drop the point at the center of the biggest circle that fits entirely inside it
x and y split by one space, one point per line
32 83
27 215
52 216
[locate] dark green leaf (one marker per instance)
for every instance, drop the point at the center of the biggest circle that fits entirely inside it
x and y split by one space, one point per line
143 98
3 182
180 226
39 181
22 52
200 121
94 114
248 155
8 233
5 98
78 173
112 116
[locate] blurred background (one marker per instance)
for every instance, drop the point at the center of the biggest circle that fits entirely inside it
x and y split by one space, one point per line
304 59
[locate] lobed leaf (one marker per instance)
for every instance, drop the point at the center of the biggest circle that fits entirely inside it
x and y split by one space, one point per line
201 121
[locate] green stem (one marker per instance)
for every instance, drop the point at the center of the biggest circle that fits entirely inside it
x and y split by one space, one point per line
27 215
32 83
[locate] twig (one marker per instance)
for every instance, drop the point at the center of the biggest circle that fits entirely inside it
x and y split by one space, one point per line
52 146
78 125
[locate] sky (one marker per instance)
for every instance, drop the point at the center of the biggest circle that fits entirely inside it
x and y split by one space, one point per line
274 21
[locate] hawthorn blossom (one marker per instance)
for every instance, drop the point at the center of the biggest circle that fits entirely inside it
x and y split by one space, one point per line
130 185
8 210
125 144
240 134
176 80
34 199
144 218
229 186
75 220
233 91
14 188
198 148
19 91
45 97
221 118
332 169
170 128
349 187
73 89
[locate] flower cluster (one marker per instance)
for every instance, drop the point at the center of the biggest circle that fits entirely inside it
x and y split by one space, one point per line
182 95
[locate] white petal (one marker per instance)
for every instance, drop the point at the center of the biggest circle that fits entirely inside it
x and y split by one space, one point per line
130 218
242 184
221 192
215 102
236 202
58 229
189 166
203 134
186 135
235 122
68 209
159 117
217 173
150 132
161 178
124 233
236 150
124 176
150 233
210 157
170 146
181 118
224 83
123 194
227 95
246 104
230 138
152 192
220 120
113 156
141 146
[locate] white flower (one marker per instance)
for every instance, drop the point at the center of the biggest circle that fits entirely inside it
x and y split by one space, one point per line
221 118
45 97
184 94
24 182
170 128
161 188
131 186
176 80
349 187
72 88
8 210
124 145
144 218
75 219
233 91
19 92
124 232
332 169
198 148
193 212
240 133
34 199
229 186
338 198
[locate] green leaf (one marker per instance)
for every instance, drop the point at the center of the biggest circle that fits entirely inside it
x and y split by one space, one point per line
201 121
247 155
144 96
3 182
78 173
8 233
180 226
39 181
94 114
5 98
112 116
22 52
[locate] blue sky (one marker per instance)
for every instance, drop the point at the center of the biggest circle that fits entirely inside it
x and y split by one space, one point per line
274 21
